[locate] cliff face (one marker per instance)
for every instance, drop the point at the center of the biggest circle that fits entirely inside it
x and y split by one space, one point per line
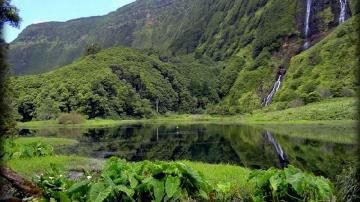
46 46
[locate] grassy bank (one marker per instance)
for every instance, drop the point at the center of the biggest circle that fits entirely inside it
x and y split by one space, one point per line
339 110
335 112
171 119
48 141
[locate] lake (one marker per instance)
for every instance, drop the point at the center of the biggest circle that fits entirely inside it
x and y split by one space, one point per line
323 150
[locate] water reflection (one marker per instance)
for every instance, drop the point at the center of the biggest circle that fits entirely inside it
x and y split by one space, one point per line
214 143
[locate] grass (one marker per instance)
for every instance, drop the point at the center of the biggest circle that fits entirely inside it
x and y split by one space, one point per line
30 167
98 123
221 173
45 140
341 110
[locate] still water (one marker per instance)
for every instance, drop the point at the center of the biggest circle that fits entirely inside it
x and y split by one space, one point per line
319 149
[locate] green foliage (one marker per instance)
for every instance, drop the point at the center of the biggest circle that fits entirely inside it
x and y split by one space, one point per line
289 184
71 118
346 185
160 181
333 109
13 150
123 181
92 49
116 82
9 14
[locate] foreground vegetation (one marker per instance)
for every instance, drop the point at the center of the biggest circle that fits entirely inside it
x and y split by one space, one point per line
157 180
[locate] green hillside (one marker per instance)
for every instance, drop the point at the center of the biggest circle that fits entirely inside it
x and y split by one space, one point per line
116 82
219 29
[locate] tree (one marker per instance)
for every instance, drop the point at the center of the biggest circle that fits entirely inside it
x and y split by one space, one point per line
92 49
8 14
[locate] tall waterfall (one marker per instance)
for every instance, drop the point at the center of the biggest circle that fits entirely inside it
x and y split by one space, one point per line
282 157
342 16
307 23
275 88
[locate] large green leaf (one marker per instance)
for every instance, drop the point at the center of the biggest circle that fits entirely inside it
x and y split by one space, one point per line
95 190
64 197
172 185
102 196
78 187
127 191
159 189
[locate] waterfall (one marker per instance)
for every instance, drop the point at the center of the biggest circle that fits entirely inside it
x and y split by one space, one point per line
342 16
275 88
282 157
307 23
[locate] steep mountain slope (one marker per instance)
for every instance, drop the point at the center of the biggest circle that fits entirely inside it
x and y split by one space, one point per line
325 70
116 82
142 24
218 29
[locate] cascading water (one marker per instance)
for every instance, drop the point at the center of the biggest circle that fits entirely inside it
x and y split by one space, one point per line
307 23
342 16
275 88
284 162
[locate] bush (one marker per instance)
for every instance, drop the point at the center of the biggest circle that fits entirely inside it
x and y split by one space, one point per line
71 118
324 93
296 103
312 97
347 92
289 184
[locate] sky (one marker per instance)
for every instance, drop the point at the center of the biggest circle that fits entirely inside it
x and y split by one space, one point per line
37 11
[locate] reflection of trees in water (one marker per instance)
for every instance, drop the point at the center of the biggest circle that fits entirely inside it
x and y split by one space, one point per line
158 142
319 157
243 145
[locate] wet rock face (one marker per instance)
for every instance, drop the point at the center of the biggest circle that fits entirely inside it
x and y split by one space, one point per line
323 17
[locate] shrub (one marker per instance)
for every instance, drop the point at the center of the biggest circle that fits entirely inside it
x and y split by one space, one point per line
347 92
312 97
324 92
16 151
289 184
71 118
296 103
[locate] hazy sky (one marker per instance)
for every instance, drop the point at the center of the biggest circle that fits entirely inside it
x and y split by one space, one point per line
36 11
